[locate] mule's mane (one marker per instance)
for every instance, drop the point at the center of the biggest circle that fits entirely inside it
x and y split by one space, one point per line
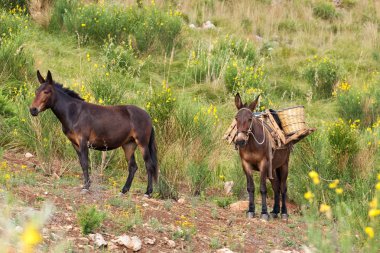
67 91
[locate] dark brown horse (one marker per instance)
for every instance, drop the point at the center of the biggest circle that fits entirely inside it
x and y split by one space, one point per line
99 127
256 154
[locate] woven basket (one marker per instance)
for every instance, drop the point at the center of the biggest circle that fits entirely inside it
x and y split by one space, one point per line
292 119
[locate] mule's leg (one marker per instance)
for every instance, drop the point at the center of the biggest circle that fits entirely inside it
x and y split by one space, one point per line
250 189
149 168
129 151
264 166
276 190
284 189
82 152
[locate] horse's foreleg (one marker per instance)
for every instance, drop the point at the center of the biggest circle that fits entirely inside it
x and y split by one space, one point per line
250 189
82 152
129 150
264 166
276 190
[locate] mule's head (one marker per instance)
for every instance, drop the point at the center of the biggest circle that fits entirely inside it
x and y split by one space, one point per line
45 94
244 119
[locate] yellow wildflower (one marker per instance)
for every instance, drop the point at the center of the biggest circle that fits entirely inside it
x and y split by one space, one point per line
373 203
374 212
30 237
23 166
370 232
314 176
378 176
334 184
309 195
7 176
83 25
339 191
378 186
324 208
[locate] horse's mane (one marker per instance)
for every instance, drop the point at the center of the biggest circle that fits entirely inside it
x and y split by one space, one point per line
67 91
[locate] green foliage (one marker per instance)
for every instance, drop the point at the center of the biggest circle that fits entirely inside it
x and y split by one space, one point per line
322 74
287 25
224 202
325 10
161 104
93 23
109 89
89 218
200 177
13 4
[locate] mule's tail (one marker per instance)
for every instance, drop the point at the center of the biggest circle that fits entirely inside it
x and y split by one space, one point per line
153 154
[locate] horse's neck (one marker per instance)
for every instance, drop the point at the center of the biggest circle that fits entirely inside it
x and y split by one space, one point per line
259 134
66 109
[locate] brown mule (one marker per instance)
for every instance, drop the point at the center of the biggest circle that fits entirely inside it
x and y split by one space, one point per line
256 154
98 127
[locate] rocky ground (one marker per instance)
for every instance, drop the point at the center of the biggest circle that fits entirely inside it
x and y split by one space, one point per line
136 223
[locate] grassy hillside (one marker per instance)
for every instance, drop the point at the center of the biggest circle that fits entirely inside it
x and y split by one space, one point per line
314 53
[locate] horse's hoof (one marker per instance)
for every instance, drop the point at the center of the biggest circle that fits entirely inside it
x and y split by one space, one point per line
147 196
121 194
264 217
84 191
274 215
250 215
284 217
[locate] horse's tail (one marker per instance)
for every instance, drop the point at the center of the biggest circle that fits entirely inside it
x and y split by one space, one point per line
153 154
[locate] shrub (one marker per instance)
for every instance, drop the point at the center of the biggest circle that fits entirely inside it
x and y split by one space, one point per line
287 25
240 76
89 218
13 4
108 88
161 104
94 23
325 11
200 177
322 74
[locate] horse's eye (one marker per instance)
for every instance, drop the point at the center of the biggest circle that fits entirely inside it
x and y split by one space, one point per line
46 91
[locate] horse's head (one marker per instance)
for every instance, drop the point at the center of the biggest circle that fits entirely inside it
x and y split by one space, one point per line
244 120
45 94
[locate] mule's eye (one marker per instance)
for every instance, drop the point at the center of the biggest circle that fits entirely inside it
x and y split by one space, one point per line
46 91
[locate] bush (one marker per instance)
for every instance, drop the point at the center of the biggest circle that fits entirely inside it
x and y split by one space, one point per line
287 25
89 218
200 177
325 11
13 4
322 74
94 23
161 104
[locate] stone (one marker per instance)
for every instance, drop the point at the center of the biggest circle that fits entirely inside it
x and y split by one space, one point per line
28 155
228 187
208 25
149 241
170 243
98 240
134 243
192 26
224 250
181 201
239 206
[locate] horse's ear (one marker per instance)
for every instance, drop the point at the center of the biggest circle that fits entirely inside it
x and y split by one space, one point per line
253 105
238 102
49 78
40 78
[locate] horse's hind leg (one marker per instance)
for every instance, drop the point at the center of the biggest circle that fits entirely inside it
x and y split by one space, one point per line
149 168
284 188
276 190
129 150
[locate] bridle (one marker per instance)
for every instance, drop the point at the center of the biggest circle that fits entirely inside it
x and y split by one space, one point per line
249 131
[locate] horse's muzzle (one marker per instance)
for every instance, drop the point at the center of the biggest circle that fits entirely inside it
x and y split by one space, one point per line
34 111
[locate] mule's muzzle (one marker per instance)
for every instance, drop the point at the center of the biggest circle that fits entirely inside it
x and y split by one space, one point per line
34 111
240 143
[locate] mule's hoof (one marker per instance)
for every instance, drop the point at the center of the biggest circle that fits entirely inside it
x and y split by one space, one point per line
84 191
147 196
264 217
250 215
274 215
284 217
121 194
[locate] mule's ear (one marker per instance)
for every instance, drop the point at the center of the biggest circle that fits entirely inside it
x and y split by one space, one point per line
238 102
49 78
40 78
253 105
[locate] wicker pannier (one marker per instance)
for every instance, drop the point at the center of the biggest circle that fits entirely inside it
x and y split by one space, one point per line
292 119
